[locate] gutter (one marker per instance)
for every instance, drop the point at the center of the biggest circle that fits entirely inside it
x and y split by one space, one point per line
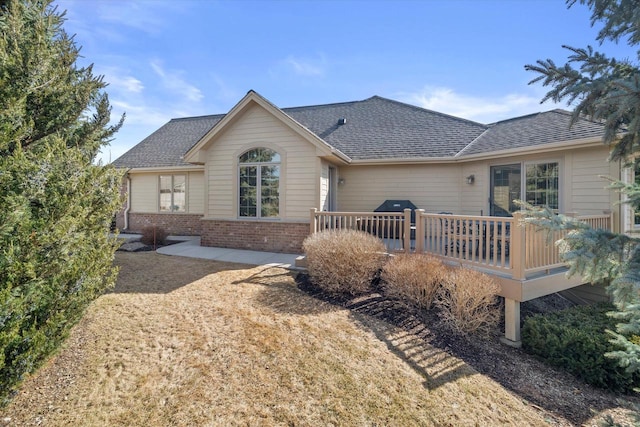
126 211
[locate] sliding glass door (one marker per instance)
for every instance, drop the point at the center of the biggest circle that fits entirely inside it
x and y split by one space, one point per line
540 186
506 185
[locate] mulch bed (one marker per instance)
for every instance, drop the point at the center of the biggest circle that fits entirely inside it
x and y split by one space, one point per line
559 394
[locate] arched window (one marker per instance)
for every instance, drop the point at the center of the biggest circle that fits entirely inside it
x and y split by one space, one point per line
259 183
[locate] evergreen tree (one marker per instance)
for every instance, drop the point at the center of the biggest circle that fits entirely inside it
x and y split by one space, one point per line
607 90
56 205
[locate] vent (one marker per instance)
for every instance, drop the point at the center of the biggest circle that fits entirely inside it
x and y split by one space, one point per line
342 121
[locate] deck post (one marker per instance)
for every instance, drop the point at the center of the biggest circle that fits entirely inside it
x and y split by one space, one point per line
610 225
512 323
419 231
517 249
406 248
313 223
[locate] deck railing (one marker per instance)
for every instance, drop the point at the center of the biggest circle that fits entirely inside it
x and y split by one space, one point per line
389 226
475 240
502 244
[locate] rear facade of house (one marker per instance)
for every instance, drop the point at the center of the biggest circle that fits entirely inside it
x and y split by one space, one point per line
248 179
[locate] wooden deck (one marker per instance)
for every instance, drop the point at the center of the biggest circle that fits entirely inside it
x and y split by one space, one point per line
523 258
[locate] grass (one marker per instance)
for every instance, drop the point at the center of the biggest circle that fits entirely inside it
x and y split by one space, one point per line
192 342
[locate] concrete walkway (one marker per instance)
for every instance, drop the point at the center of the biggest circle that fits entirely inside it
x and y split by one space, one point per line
191 248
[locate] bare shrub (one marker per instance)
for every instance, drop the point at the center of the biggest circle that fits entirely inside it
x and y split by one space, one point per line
414 278
343 261
467 300
153 236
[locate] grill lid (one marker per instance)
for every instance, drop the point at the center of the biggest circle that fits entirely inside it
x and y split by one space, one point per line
397 206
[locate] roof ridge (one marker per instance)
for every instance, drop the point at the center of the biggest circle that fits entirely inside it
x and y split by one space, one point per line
470 144
205 116
438 113
331 104
537 113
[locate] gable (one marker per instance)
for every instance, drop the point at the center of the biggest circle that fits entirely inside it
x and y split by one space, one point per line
197 154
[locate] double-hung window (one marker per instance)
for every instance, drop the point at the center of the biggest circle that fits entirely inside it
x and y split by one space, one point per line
259 183
173 192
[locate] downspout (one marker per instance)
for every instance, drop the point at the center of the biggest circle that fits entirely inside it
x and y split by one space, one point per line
126 211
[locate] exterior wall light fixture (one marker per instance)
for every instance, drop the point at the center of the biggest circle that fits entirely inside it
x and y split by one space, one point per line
471 179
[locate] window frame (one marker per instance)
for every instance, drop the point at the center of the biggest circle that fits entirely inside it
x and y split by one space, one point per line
525 178
259 165
173 193
524 165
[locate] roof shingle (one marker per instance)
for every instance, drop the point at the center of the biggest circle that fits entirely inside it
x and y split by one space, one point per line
167 145
533 130
377 129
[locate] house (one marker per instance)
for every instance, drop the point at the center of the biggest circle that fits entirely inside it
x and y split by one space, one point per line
247 179
254 178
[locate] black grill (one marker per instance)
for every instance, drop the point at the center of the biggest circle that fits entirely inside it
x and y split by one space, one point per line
395 206
398 206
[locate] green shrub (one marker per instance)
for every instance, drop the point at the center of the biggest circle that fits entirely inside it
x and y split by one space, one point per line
575 340
468 301
56 203
344 261
414 278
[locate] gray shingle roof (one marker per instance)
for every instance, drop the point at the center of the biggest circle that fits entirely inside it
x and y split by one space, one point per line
167 145
533 130
377 128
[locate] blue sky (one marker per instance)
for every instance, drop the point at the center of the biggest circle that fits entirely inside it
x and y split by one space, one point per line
167 59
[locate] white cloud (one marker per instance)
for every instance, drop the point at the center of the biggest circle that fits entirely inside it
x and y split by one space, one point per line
139 113
174 82
146 16
225 91
119 82
304 67
481 109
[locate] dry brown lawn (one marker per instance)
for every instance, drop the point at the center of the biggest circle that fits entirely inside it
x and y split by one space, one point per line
183 342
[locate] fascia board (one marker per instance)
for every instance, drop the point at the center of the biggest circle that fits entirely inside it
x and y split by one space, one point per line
166 169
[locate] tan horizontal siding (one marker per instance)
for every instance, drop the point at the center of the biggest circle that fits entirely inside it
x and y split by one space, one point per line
437 188
434 188
195 192
589 192
144 193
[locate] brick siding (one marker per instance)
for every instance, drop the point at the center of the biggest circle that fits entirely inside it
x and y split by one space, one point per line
283 237
173 224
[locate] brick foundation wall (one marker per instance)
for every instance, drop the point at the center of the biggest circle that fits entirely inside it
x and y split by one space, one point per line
283 237
174 224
